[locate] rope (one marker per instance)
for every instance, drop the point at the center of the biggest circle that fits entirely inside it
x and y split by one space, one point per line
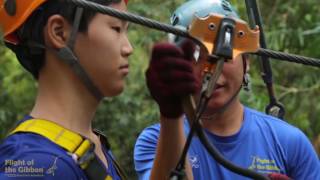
288 57
130 17
180 32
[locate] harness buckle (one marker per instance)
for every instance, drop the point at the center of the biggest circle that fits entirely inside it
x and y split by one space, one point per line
83 159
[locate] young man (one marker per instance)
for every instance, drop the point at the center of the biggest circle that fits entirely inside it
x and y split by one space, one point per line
247 138
78 57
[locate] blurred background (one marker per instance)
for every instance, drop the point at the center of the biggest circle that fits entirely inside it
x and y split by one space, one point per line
290 26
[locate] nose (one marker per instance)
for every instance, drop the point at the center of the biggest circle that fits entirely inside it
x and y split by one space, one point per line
127 49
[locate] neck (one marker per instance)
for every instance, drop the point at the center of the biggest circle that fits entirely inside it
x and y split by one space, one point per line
63 99
226 123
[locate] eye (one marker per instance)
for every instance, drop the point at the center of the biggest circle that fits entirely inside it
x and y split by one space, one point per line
116 28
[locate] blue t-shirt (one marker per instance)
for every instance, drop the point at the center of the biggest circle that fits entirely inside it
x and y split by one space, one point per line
264 144
31 156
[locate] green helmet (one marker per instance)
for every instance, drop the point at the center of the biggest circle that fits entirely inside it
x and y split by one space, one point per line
183 16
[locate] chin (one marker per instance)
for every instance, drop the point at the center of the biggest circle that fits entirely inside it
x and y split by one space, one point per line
113 92
215 105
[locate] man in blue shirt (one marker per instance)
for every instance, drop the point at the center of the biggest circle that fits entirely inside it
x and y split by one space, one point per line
248 138
263 143
78 57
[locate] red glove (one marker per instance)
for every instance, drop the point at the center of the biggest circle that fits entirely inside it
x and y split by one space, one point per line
170 77
277 176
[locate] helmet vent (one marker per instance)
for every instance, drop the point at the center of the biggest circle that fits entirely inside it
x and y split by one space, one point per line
226 6
175 20
10 7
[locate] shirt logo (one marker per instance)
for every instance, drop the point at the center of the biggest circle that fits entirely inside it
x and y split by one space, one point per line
194 161
264 165
53 168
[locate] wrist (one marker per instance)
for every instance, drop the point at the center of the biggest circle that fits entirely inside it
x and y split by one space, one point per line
172 126
171 110
164 118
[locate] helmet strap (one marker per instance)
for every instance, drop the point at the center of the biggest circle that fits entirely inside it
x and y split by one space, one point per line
246 76
245 84
66 54
223 108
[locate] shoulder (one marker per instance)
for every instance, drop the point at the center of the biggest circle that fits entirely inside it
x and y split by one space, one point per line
145 150
149 134
279 131
271 124
148 139
152 129
287 141
29 155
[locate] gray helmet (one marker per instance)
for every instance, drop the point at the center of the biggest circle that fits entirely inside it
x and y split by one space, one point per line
183 15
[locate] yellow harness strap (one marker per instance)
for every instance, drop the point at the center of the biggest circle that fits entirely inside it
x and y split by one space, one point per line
69 140
72 142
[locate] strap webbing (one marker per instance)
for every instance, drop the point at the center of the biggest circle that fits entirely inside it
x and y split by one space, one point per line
73 143
59 135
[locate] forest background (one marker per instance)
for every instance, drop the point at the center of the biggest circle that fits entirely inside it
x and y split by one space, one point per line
290 26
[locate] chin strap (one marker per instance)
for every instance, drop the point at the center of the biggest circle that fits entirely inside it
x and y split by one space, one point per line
68 57
66 54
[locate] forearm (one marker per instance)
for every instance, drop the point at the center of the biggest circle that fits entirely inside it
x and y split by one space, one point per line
169 149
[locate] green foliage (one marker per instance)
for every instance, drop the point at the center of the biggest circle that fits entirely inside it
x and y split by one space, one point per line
290 26
293 26
17 91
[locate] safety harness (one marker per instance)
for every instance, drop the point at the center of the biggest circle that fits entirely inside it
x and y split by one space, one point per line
80 148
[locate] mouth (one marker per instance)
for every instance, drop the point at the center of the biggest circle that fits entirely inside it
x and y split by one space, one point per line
124 69
219 88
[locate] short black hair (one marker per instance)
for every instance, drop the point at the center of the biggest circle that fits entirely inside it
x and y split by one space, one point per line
32 58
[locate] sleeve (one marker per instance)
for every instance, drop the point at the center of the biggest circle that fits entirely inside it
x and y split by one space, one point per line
15 164
145 150
303 160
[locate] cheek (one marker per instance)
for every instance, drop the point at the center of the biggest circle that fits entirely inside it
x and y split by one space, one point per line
94 53
107 61
102 46
101 43
234 74
99 57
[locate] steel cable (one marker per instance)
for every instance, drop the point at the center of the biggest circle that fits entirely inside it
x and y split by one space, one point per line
180 32
288 57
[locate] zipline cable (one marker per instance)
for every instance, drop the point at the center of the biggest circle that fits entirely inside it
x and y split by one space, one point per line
180 32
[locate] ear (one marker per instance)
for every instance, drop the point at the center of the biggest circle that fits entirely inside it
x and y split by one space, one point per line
57 31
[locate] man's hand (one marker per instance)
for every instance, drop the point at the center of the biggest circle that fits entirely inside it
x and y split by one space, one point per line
170 77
